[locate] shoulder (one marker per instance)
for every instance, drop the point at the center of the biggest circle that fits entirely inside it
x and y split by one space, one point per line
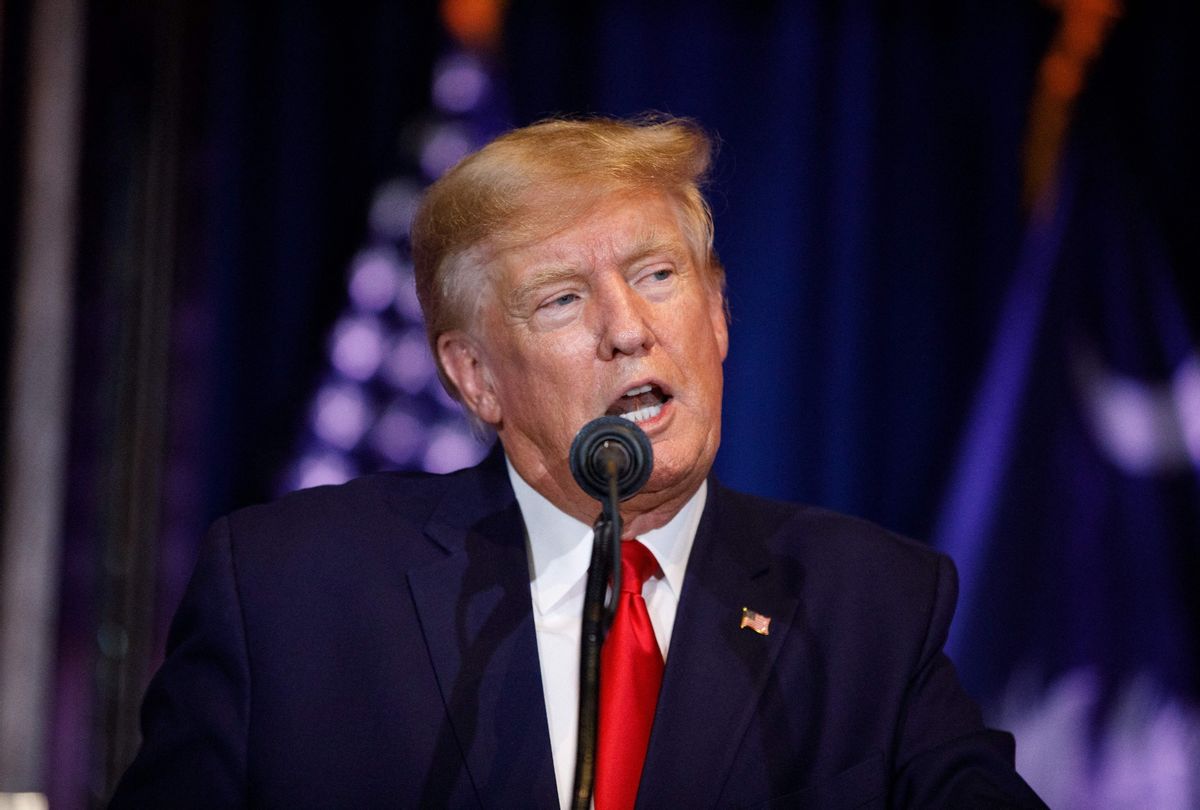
355 505
359 523
822 535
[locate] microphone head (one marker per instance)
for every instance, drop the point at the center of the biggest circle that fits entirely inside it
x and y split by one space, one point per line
616 438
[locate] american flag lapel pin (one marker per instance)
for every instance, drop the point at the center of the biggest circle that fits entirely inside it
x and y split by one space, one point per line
756 621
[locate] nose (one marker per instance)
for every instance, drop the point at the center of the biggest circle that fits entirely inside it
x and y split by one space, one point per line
624 321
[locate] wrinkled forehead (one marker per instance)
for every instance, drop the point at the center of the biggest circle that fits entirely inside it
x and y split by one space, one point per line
549 213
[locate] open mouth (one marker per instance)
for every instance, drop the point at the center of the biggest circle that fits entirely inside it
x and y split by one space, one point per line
639 404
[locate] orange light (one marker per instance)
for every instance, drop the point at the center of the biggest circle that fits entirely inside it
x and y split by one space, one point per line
1083 27
474 23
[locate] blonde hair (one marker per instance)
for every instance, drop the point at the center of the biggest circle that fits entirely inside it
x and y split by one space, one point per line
531 180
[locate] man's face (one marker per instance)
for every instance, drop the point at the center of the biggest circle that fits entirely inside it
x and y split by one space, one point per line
608 315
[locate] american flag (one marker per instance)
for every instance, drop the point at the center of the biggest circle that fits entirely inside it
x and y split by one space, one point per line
755 621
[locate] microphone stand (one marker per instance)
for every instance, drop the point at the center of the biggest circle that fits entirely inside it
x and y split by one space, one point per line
597 618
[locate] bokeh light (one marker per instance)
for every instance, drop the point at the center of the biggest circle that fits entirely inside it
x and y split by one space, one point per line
459 83
374 280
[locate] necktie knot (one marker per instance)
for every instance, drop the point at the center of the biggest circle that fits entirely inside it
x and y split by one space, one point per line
637 566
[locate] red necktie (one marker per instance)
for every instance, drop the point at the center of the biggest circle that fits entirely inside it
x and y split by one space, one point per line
631 668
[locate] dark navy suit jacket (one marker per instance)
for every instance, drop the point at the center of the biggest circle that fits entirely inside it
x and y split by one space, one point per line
372 645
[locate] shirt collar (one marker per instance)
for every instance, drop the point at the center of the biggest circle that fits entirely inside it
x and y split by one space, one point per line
560 547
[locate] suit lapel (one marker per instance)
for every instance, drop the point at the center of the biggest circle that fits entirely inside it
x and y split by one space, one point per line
716 671
476 615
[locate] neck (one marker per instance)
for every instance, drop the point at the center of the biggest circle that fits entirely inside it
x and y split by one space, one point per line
648 510
638 518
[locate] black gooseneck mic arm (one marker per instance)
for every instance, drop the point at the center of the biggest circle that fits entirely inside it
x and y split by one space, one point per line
611 459
597 617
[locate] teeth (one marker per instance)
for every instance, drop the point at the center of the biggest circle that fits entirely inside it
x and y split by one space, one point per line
648 412
633 392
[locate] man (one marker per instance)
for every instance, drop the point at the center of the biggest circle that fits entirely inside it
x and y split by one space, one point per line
414 640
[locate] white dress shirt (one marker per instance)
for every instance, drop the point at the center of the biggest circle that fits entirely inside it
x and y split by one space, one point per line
560 548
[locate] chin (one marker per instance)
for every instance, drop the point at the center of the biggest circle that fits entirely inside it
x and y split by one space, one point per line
670 474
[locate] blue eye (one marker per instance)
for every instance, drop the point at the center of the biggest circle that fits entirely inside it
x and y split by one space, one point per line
661 275
564 299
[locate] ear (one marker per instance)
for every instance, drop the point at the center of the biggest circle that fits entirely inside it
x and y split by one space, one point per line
465 365
718 314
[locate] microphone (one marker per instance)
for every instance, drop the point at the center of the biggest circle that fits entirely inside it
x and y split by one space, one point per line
611 460
610 446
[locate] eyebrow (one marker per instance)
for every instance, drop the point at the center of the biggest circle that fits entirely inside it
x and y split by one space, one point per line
541 278
652 243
